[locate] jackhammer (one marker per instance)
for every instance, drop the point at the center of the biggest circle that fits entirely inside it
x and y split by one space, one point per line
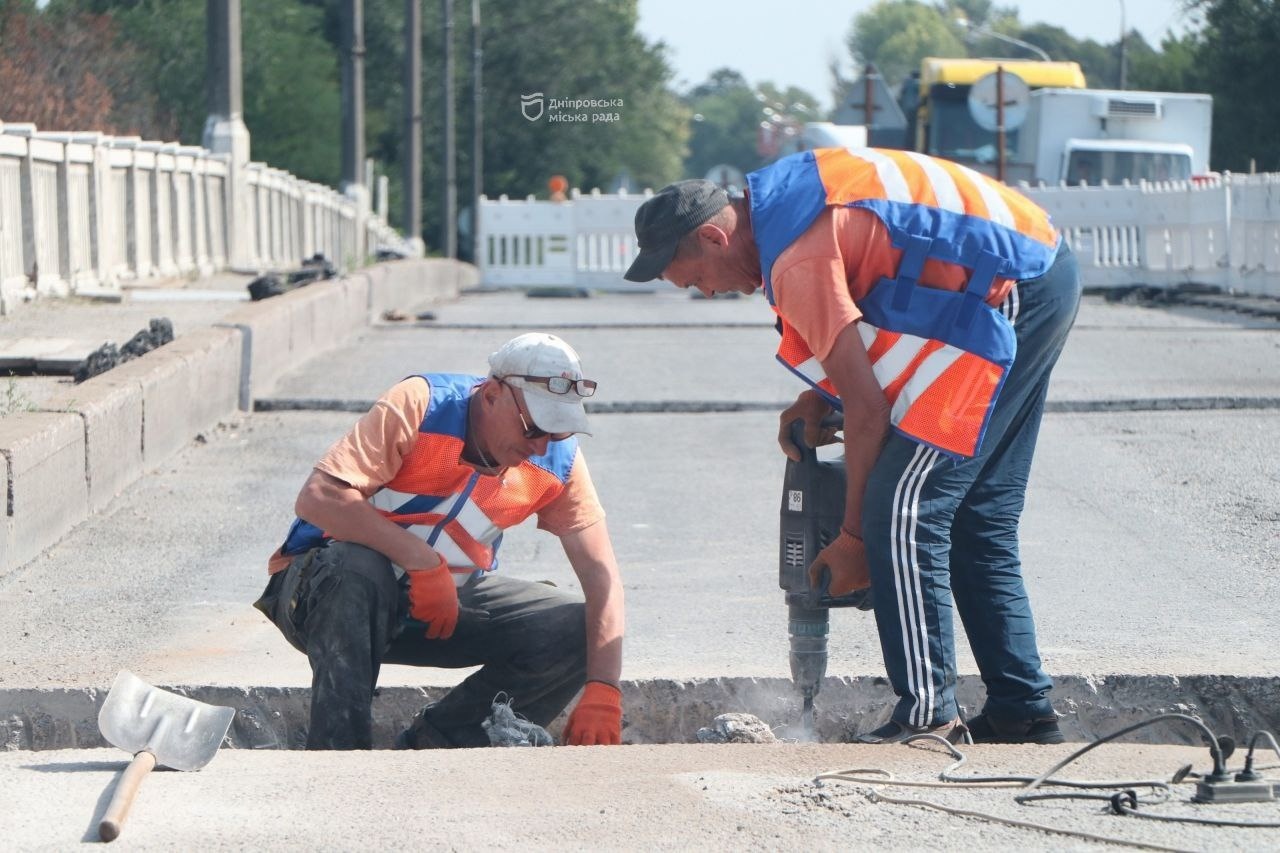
813 492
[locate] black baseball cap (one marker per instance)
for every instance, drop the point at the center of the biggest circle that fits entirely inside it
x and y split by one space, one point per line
673 212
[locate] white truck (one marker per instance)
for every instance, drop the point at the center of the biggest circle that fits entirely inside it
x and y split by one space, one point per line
1095 135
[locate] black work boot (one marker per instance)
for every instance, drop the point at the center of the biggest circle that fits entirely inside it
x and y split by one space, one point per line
987 728
421 734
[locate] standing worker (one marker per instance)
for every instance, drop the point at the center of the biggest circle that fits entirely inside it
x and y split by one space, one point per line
392 557
930 304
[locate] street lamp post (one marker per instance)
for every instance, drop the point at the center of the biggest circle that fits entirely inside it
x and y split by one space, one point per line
978 29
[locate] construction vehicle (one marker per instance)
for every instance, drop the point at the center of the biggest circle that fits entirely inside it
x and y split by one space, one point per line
1062 131
1092 136
813 495
944 125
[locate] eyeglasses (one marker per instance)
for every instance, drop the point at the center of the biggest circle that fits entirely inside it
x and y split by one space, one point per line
535 432
559 384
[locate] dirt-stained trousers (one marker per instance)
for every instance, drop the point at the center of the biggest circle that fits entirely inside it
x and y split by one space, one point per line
342 605
943 535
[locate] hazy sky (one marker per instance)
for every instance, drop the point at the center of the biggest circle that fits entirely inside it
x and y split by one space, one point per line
791 42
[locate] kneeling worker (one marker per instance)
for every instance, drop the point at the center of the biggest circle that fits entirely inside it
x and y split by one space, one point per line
392 557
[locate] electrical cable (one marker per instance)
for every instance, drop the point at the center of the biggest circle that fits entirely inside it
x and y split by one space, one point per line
1253 744
947 780
1219 762
851 775
1219 765
1120 808
1125 802
1023 824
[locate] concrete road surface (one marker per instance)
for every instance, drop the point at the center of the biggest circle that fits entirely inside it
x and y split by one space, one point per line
1151 542
730 797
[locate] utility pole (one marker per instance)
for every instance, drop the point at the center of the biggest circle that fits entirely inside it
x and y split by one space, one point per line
1124 51
224 80
477 130
224 129
869 97
353 99
413 119
1000 138
449 220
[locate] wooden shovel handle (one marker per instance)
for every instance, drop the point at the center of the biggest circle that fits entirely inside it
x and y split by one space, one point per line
122 799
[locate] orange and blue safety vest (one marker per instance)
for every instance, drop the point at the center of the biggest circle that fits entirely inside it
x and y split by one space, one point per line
941 356
446 502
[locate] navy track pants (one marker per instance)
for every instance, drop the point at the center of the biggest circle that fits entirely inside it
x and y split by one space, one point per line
941 533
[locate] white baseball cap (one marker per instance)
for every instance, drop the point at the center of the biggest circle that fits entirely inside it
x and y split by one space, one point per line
539 354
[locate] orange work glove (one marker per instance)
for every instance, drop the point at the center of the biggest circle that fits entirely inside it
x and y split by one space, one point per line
597 719
845 561
811 408
433 599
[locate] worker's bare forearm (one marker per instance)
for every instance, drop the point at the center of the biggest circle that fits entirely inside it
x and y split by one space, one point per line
604 641
591 555
864 434
866 417
343 513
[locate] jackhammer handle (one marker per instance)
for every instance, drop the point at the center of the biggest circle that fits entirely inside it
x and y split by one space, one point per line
814 599
795 430
113 821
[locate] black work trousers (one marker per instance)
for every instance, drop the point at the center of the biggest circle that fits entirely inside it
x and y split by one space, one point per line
342 606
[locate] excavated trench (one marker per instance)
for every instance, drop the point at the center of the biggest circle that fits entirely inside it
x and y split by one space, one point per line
669 711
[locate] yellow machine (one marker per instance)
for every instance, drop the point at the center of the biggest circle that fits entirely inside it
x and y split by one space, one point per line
943 124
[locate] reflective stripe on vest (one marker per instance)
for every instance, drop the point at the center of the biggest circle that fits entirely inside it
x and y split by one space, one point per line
941 356
446 502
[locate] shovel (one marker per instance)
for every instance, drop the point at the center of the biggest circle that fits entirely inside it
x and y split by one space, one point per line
158 727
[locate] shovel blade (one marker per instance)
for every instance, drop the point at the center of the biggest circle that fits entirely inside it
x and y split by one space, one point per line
181 733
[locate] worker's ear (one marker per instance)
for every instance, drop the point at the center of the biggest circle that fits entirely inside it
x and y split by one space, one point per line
490 390
713 234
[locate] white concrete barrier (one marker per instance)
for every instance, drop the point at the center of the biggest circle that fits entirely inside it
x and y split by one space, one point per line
1223 232
1255 233
1156 234
85 212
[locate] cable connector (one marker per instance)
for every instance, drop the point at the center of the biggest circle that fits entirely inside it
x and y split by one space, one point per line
1248 774
1231 791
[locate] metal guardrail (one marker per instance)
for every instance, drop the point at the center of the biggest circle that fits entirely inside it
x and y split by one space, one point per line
1224 232
86 212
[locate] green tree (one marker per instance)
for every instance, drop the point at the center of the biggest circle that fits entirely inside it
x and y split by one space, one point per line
1237 59
1174 68
725 116
578 49
566 49
562 48
291 99
895 36
66 69
982 12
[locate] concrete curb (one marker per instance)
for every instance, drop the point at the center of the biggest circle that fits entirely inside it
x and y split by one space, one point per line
82 447
47 492
670 711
